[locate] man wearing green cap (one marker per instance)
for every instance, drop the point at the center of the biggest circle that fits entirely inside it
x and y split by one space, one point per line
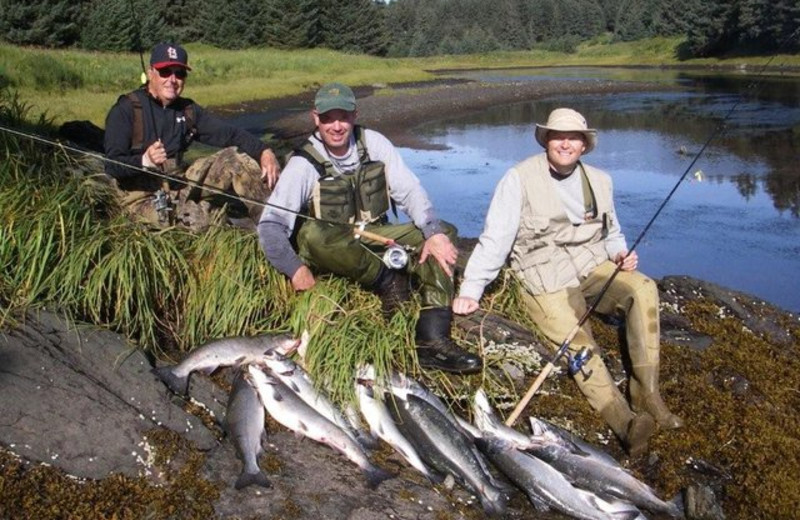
346 177
554 217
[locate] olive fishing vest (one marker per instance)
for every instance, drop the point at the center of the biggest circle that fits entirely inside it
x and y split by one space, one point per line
550 253
360 196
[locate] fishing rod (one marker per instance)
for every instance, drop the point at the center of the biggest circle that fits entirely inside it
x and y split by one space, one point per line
163 204
396 254
576 362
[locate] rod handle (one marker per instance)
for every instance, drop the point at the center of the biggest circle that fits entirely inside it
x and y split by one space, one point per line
530 393
373 236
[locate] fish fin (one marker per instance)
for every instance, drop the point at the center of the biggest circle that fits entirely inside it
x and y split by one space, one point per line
494 507
179 385
539 503
249 479
677 506
376 475
367 441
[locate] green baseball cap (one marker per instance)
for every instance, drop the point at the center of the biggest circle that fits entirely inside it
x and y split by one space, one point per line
332 96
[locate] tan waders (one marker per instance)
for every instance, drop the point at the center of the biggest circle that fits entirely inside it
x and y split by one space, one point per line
636 297
645 396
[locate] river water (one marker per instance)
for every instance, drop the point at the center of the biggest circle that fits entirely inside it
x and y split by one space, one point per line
733 220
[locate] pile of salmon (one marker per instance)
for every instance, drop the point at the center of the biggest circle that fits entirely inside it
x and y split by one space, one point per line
555 469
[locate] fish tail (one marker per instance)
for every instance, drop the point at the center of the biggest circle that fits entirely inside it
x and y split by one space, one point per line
494 507
179 385
249 479
376 475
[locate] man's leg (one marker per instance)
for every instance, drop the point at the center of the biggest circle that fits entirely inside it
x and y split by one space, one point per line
635 296
334 249
556 315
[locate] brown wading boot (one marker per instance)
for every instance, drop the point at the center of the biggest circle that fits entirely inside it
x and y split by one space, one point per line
436 349
391 286
633 430
646 397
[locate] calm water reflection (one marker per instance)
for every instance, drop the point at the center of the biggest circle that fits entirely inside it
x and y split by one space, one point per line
738 226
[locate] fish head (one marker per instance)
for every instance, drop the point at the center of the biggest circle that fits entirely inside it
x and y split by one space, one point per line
283 344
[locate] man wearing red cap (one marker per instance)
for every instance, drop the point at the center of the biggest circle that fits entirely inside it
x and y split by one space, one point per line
554 217
153 126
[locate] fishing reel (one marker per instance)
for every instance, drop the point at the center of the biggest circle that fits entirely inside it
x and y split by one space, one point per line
163 205
395 257
575 363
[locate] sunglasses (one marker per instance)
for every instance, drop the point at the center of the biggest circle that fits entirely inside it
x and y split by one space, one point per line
166 72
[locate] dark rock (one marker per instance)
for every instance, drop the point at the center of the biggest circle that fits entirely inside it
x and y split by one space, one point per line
762 318
701 504
85 134
83 400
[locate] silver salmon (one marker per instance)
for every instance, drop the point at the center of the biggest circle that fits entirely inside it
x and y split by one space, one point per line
244 422
292 412
223 353
446 448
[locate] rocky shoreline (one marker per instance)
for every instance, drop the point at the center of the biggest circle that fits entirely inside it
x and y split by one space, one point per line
88 432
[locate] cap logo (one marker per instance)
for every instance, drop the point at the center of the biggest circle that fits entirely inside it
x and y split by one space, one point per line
334 91
173 53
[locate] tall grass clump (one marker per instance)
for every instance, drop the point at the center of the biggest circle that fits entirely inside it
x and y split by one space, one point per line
347 331
230 290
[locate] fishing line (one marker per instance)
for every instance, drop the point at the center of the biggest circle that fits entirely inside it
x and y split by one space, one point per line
161 175
390 259
568 340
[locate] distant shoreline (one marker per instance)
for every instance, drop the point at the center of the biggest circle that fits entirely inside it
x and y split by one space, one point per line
396 109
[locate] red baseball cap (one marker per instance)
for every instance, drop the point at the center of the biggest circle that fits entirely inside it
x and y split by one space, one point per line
168 55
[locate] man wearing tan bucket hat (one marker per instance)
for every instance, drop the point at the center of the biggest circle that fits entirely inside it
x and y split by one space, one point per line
554 217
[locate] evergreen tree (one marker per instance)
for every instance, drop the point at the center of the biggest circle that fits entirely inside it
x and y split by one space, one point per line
507 25
49 23
292 24
711 28
124 25
353 26
233 24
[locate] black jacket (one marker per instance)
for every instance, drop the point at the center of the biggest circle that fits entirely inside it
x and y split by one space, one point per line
171 127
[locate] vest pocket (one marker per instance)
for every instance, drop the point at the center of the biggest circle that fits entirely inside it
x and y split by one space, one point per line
336 202
538 270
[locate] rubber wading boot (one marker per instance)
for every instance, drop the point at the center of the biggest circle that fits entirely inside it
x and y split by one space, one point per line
645 397
391 286
435 347
633 430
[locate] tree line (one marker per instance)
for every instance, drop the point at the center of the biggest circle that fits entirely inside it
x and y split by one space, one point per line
404 27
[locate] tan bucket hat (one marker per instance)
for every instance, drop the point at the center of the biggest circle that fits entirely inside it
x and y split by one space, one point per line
566 120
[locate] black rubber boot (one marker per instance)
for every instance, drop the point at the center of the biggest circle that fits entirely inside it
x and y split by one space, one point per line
435 348
391 286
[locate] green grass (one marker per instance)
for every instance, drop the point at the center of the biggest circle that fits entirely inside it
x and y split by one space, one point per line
82 85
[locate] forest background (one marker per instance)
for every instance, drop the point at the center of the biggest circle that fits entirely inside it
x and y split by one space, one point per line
403 28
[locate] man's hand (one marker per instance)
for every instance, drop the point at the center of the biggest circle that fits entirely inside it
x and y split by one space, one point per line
270 168
464 305
302 279
627 263
155 155
439 247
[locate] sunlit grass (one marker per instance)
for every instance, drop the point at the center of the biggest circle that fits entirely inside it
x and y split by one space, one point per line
82 85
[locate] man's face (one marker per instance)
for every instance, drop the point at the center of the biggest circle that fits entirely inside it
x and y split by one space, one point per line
564 150
335 127
166 84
